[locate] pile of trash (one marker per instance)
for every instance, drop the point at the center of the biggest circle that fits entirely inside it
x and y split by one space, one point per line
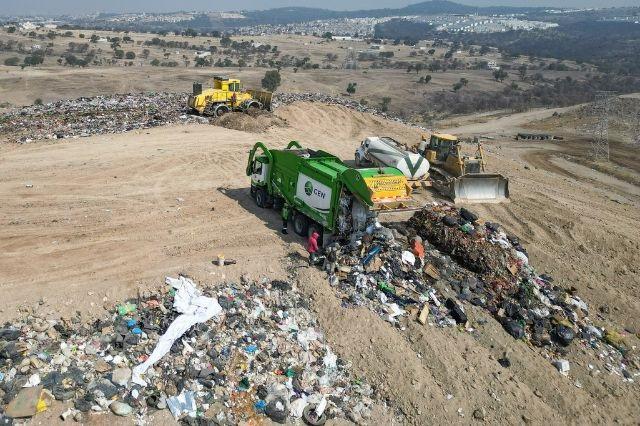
443 258
237 352
83 117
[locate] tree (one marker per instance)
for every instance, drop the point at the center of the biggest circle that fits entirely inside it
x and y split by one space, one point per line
327 36
81 35
225 41
331 57
33 60
431 51
130 55
484 50
71 59
94 38
145 54
202 62
12 62
464 81
271 80
351 88
522 71
11 30
418 67
457 86
384 104
38 101
190 32
118 54
242 63
155 62
500 74
427 79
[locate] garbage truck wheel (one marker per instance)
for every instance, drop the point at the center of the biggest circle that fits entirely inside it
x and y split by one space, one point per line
261 198
300 224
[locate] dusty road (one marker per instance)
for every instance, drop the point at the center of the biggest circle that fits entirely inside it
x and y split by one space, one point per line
102 217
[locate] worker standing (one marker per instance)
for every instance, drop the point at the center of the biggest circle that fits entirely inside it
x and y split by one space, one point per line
285 218
331 258
233 100
312 247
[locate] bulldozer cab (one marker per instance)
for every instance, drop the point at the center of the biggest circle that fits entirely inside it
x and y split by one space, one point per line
442 146
225 83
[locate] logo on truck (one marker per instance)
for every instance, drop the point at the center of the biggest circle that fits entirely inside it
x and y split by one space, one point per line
313 193
309 189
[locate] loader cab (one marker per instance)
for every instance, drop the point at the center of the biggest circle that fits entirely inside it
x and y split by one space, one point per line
226 84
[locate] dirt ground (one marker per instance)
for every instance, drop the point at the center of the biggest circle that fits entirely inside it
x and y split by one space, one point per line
89 221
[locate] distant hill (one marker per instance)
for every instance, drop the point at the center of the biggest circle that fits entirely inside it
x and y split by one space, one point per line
287 15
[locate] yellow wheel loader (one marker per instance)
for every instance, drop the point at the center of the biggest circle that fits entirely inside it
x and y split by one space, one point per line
226 95
461 177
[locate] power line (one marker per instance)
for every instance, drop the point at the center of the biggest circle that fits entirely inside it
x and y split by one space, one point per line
600 131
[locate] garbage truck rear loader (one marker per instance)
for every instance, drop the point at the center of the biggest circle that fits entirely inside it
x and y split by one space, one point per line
385 151
317 191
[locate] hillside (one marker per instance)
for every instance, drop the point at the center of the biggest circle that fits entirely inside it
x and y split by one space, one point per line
299 14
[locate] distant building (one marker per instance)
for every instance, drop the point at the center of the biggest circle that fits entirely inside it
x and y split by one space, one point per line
202 54
28 26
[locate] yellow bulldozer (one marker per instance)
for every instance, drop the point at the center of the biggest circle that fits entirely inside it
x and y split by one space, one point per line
226 95
461 177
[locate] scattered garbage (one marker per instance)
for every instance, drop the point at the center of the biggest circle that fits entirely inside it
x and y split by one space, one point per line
562 365
466 263
225 354
74 118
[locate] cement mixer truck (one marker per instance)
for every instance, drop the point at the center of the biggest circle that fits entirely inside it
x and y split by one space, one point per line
318 192
387 152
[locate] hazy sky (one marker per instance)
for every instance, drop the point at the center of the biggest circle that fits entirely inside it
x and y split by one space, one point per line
35 7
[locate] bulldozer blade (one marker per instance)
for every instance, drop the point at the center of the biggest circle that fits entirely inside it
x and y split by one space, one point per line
479 188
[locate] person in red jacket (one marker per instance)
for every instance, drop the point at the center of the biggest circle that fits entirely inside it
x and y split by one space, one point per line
312 247
417 249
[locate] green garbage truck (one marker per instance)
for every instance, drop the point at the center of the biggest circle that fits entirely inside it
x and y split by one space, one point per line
318 192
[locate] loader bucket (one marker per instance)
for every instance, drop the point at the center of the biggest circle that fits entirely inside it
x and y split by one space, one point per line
479 188
263 96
